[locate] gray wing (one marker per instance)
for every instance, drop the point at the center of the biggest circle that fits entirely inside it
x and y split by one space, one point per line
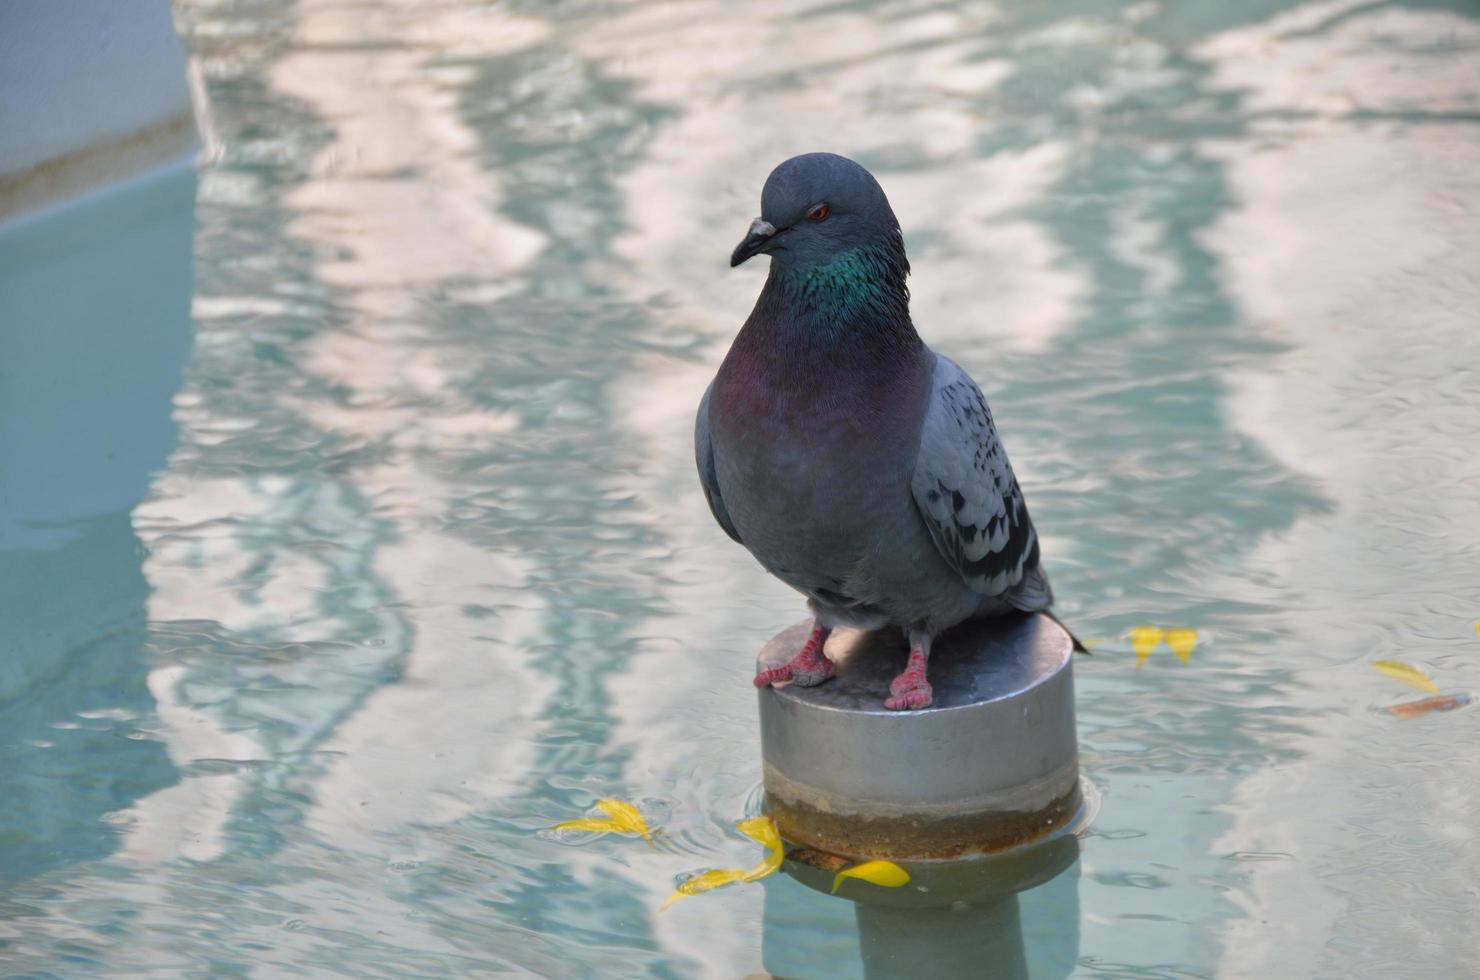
704 456
964 489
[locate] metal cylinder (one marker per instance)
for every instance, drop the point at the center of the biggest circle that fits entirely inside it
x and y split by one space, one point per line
990 766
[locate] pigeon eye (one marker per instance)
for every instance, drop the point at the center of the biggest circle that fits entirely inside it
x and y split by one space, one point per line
817 212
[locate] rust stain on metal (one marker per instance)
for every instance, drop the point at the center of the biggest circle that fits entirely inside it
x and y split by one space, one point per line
823 861
829 836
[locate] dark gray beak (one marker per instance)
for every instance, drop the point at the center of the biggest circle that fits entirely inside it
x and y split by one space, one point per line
761 233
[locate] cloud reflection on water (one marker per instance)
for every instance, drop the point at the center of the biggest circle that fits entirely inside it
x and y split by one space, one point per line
430 573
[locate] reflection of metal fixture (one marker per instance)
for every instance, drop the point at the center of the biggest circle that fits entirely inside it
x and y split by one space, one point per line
954 919
977 796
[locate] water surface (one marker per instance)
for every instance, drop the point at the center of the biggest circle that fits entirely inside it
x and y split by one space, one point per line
399 557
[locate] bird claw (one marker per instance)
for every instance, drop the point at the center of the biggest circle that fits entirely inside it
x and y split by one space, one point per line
773 675
808 668
911 689
791 672
811 678
910 697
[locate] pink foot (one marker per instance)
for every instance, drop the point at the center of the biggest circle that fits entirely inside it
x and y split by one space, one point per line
910 689
808 668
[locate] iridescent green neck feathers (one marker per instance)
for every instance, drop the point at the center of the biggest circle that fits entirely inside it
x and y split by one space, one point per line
857 292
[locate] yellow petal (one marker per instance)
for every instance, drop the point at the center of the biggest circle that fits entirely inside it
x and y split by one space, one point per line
766 867
625 818
1182 641
885 874
708 881
763 831
598 825
1477 627
1409 675
1144 639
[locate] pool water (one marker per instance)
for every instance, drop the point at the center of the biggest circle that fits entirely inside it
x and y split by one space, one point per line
350 539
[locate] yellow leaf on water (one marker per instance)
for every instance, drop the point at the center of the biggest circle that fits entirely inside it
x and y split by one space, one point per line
626 818
708 881
1144 639
1412 709
596 825
621 818
1477 627
885 874
1182 641
1408 674
763 831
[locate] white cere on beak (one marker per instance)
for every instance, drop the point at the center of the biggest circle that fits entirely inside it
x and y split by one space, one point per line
760 226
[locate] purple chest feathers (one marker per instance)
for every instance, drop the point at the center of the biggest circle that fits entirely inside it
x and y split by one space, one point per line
809 437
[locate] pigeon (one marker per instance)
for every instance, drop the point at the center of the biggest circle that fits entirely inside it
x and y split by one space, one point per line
855 464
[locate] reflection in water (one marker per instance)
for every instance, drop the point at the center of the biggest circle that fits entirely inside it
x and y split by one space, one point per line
1364 192
427 571
96 331
960 941
1014 915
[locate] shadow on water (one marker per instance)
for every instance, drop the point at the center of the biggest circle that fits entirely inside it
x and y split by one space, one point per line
96 331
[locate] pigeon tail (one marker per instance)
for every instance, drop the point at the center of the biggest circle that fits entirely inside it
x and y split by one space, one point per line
1079 646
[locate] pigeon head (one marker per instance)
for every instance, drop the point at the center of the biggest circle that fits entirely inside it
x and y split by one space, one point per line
816 208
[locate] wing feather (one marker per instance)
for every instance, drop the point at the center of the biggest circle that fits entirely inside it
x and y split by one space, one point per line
965 490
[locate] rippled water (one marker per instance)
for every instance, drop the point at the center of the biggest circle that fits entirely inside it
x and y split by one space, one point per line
298 671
